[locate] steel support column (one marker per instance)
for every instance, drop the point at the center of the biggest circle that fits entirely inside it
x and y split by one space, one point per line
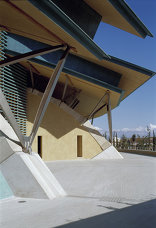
11 119
109 118
29 55
47 95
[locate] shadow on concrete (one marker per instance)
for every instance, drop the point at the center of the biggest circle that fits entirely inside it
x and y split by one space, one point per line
2 134
141 215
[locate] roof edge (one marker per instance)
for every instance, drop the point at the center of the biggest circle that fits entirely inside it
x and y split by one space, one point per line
131 66
61 19
123 8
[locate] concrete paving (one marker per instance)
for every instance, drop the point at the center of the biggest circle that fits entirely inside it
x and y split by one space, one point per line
107 193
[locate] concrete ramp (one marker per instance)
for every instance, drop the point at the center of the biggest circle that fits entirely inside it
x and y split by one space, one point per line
25 174
29 177
109 151
5 190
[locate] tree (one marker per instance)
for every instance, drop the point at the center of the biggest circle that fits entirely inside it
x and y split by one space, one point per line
123 141
133 138
154 141
113 138
148 136
117 143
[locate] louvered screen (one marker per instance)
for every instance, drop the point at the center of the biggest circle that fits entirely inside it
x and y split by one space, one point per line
13 82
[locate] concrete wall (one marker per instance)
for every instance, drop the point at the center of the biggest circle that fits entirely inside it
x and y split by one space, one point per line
141 152
5 190
59 132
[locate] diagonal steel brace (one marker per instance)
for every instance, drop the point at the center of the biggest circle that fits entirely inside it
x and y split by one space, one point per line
47 95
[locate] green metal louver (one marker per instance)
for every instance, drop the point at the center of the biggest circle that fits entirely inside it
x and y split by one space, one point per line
13 82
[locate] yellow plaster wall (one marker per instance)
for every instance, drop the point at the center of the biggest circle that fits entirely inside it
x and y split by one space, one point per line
59 132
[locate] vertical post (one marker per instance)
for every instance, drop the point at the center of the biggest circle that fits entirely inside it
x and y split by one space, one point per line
109 117
47 94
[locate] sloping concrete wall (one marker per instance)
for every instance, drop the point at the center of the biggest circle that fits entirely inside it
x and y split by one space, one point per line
104 144
5 190
23 175
29 177
109 151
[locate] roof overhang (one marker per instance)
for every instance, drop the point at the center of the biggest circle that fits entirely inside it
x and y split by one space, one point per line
93 78
117 13
45 22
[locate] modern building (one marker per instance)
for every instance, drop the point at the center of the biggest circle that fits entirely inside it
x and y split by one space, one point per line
52 42
53 80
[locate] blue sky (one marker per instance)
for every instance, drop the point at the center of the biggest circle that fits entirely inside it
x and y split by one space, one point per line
139 109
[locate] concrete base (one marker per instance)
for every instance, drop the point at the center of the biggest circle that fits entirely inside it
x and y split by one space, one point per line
7 132
29 177
109 153
5 190
5 149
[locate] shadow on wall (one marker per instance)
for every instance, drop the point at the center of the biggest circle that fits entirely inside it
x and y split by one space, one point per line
56 121
142 215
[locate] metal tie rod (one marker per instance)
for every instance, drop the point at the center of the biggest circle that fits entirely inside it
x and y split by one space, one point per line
29 55
96 106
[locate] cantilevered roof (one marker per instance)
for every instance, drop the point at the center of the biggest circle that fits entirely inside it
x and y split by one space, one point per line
88 68
117 13
46 23
92 78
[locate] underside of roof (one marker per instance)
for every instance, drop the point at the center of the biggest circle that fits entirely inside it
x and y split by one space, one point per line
88 80
50 26
90 72
117 13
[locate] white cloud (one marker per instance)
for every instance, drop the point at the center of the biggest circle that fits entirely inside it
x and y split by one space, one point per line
98 128
152 126
138 129
126 129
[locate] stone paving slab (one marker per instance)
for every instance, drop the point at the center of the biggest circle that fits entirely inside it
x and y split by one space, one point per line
130 179
103 194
